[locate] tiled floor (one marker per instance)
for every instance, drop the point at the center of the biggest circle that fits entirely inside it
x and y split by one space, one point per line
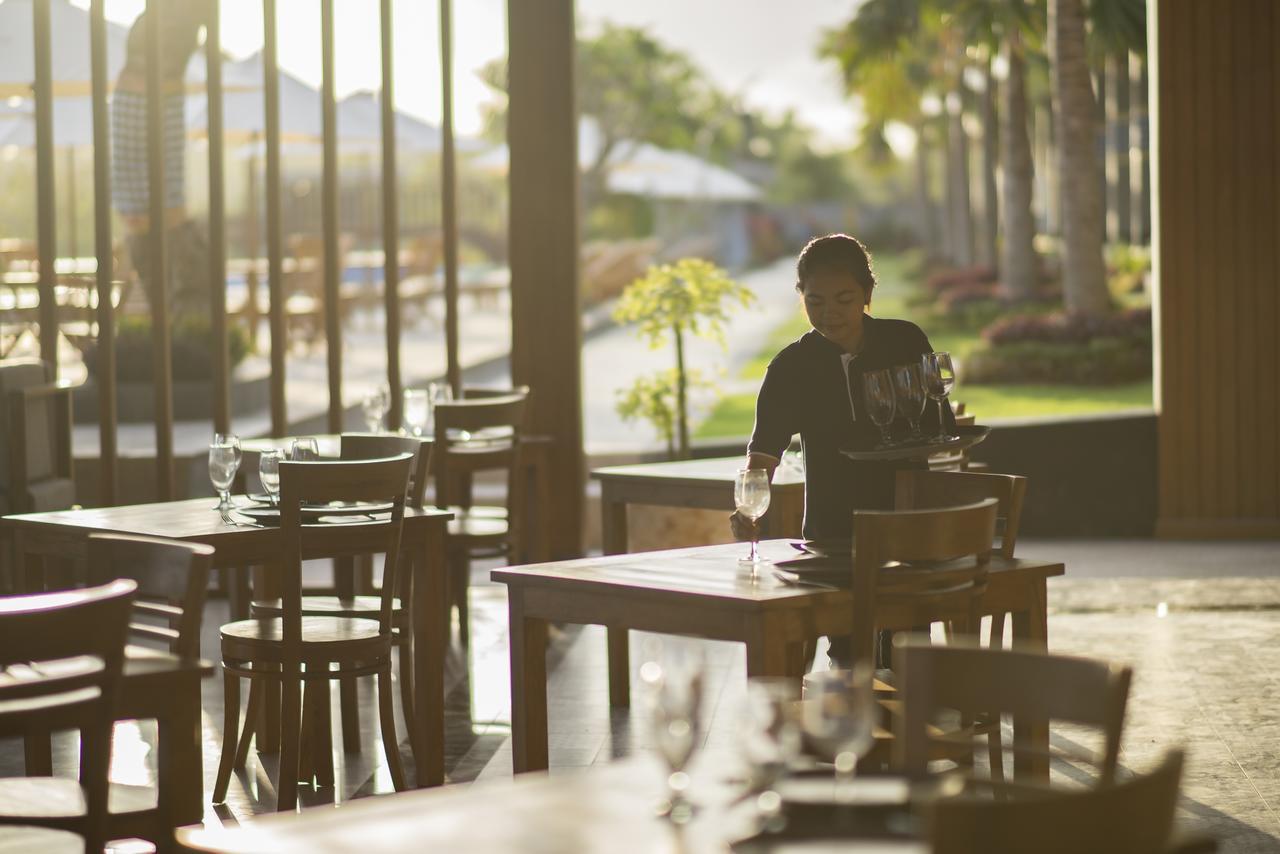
1198 622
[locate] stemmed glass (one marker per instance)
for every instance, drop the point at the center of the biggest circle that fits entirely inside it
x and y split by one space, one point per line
771 738
224 462
269 473
673 696
908 391
304 448
939 378
375 406
751 495
417 410
838 718
877 388
443 393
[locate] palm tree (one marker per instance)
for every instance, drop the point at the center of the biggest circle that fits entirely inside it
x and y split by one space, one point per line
1084 282
1018 255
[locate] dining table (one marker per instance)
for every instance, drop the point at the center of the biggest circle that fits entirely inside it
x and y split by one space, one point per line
240 542
706 592
601 809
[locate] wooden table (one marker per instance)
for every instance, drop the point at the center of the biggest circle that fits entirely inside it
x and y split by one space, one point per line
597 810
64 534
703 592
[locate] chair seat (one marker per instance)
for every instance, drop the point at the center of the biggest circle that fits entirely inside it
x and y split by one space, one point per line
323 639
474 527
59 797
21 839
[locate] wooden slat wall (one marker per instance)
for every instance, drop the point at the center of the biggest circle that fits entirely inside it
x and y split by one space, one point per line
1216 88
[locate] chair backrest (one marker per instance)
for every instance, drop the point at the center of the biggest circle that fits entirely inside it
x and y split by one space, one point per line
316 483
172 578
368 446
1133 817
60 660
946 552
478 434
972 680
920 490
30 429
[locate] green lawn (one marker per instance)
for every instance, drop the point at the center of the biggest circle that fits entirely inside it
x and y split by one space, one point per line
734 414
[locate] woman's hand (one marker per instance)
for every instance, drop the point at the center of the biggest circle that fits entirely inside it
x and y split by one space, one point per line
743 528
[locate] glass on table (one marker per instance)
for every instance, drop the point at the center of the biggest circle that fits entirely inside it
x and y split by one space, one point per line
375 406
224 462
417 411
877 391
269 473
838 718
909 395
304 448
939 378
751 498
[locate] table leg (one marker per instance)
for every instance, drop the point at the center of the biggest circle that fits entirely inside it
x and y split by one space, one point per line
1031 631
528 686
613 521
619 666
430 648
767 654
266 585
542 489
180 761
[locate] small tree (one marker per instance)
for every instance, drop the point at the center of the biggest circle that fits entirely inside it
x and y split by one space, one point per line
691 296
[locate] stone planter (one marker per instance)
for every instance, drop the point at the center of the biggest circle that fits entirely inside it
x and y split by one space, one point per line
192 400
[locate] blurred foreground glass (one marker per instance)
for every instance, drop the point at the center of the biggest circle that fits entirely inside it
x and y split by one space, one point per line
751 497
375 406
673 700
417 411
224 462
838 718
909 396
939 379
771 738
269 473
877 388
304 448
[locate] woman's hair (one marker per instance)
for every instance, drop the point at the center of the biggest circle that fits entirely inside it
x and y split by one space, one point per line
836 253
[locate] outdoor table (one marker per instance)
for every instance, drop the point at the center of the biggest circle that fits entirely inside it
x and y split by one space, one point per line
597 810
704 592
64 533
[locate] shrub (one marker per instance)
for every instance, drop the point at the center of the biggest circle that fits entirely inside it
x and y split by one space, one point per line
190 347
1102 361
1066 328
945 279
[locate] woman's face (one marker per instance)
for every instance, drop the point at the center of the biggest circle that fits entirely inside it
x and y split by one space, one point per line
834 302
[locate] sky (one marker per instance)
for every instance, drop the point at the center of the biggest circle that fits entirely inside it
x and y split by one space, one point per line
761 50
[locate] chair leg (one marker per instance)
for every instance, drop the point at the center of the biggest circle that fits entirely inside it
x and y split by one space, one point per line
406 689
349 702
459 582
995 752
231 729
996 639
387 713
252 716
290 731
316 755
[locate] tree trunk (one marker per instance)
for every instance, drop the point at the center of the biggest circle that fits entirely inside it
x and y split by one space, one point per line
1142 226
990 157
1084 281
1018 263
1103 148
928 227
958 187
1120 115
946 222
682 395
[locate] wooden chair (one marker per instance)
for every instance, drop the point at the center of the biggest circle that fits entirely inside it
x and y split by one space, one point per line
60 662
35 430
162 672
976 682
362 446
1133 817
476 434
292 650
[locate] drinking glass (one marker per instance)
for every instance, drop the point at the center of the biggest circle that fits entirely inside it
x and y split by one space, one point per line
751 495
224 462
838 716
939 378
417 411
908 392
269 473
304 448
673 696
770 737
375 406
443 393
877 388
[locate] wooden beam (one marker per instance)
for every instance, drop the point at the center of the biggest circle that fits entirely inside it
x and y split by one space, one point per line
46 196
108 452
217 223
448 201
329 220
275 247
546 317
390 222
158 257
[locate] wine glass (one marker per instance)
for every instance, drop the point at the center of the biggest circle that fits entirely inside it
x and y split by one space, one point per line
269 473
304 448
770 738
375 407
939 378
673 696
417 411
443 393
751 495
224 462
838 717
877 388
908 392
